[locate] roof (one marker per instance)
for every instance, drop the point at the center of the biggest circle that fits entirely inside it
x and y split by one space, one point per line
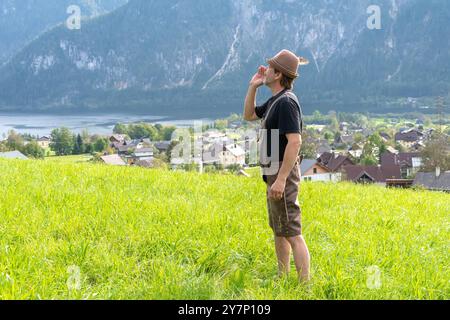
307 164
375 173
323 148
403 158
118 137
143 150
113 159
235 150
162 145
44 138
332 161
13 155
408 136
431 182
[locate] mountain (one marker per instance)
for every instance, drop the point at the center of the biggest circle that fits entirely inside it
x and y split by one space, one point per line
23 20
195 57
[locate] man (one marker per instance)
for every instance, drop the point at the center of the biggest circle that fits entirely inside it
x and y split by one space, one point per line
283 114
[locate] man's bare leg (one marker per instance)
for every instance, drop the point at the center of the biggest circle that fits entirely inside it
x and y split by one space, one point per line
283 250
301 257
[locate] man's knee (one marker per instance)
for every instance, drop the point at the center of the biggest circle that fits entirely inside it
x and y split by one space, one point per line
294 241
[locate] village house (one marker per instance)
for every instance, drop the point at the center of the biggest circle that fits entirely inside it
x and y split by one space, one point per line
409 162
162 146
434 181
128 146
232 155
408 138
44 142
320 145
212 136
323 147
334 162
355 151
344 140
371 174
224 154
139 155
118 138
311 170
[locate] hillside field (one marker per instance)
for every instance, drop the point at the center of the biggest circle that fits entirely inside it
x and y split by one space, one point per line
89 231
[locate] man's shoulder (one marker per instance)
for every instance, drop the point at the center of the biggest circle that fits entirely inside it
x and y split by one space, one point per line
287 101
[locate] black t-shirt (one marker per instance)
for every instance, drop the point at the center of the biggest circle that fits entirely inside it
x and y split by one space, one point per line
284 116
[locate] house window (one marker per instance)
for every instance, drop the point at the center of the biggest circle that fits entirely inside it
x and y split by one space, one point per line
315 170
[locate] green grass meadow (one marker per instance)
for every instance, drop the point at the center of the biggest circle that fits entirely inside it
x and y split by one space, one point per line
90 231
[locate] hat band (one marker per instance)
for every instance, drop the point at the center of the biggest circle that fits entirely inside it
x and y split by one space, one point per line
283 69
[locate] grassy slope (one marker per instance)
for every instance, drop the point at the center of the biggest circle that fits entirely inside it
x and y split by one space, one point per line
137 233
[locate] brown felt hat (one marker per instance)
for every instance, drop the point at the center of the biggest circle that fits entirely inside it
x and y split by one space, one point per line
287 63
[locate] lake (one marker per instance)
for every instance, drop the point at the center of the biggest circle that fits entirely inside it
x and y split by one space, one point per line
96 124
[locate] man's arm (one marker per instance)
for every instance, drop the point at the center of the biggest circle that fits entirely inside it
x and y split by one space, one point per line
250 100
250 104
290 154
290 157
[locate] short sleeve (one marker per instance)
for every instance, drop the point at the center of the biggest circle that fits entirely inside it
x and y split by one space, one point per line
260 111
289 118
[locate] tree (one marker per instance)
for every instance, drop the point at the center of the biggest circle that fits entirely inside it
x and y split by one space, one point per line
308 148
120 128
78 145
166 133
100 144
3 147
14 141
221 124
377 144
62 142
436 154
89 148
328 135
368 157
358 137
85 136
33 150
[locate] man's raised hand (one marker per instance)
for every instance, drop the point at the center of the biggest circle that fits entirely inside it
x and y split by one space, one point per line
258 78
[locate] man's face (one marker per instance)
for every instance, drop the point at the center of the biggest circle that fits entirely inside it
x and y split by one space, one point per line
270 76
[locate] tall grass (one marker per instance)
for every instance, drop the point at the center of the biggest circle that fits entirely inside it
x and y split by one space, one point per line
83 231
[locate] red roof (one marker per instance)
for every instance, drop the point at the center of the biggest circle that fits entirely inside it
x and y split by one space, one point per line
333 161
402 159
374 173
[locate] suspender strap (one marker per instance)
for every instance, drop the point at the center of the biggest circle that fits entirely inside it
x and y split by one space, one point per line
294 98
